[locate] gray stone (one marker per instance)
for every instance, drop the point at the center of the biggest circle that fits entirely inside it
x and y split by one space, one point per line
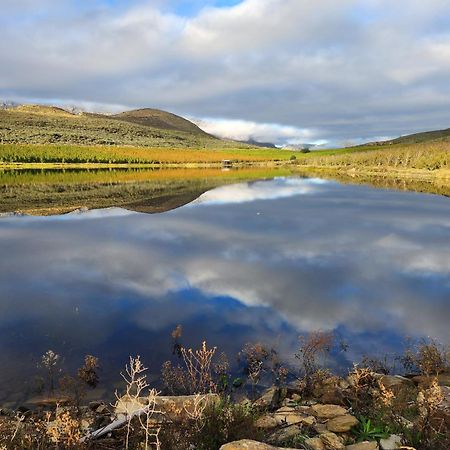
393 442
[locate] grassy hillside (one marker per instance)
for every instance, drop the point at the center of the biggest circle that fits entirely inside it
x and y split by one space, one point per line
163 120
428 156
31 124
416 138
428 136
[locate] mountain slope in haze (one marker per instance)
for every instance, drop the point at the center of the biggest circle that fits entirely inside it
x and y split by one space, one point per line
162 120
34 124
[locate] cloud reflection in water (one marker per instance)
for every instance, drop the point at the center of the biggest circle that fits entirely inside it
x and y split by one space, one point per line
259 261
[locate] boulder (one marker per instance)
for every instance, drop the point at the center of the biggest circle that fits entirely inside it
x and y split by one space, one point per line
314 444
393 442
247 444
366 445
266 422
309 421
333 396
394 382
342 424
288 416
443 379
271 398
332 441
284 434
327 411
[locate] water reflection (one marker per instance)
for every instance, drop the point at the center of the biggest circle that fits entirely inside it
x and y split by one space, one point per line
254 261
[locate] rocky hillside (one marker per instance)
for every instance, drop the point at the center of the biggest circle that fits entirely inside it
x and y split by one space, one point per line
33 124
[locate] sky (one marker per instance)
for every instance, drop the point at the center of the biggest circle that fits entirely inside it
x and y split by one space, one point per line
328 72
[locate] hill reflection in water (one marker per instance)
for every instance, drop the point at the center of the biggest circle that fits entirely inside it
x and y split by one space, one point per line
261 261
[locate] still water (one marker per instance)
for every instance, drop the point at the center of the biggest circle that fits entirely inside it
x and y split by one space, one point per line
261 261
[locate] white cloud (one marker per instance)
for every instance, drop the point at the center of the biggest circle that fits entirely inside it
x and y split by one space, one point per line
338 70
243 130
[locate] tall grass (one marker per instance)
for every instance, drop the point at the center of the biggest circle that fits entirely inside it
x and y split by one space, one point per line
430 156
75 154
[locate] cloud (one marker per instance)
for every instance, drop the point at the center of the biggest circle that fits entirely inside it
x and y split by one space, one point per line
259 190
343 70
242 130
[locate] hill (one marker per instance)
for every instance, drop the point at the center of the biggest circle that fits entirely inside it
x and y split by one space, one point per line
416 138
427 136
162 120
33 124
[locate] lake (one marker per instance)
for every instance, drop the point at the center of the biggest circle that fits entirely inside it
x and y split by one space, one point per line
261 261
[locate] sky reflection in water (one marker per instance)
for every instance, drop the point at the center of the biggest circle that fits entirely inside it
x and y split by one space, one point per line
256 261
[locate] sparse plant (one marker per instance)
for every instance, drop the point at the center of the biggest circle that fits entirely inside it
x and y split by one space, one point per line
64 430
366 430
139 401
88 373
199 373
427 357
254 357
51 362
312 353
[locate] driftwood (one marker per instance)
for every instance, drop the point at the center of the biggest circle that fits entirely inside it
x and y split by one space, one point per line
163 409
120 421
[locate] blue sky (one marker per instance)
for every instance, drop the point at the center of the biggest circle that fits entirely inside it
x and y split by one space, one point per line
285 71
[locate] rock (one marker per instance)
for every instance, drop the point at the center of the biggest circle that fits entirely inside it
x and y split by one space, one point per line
443 379
332 442
333 396
266 422
327 411
394 382
314 444
366 445
95 404
247 444
320 428
284 434
309 421
102 409
288 416
271 398
393 442
342 424
7 412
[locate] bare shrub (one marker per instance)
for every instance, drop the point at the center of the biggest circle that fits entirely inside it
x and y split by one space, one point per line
427 357
88 373
51 362
198 374
312 353
139 401
217 424
255 357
